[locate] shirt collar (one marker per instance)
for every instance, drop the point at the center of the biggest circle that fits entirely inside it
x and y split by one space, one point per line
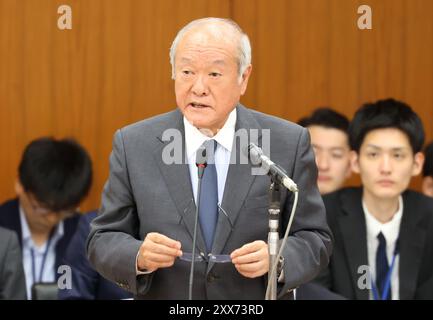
390 229
26 236
194 138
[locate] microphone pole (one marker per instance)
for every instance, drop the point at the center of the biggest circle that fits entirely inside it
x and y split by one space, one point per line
201 163
273 237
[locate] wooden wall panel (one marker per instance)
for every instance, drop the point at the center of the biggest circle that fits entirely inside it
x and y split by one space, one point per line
112 68
311 53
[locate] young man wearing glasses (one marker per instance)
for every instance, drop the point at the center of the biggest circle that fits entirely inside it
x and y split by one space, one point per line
53 178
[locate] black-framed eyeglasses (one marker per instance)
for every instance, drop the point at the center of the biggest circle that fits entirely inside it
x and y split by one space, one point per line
210 257
41 210
200 257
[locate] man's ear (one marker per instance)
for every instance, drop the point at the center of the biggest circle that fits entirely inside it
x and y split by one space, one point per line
348 170
418 163
427 186
354 161
245 77
19 189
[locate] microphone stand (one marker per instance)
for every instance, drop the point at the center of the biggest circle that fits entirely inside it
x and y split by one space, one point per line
278 178
273 236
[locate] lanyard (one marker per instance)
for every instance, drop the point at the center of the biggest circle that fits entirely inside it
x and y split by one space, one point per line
44 258
388 279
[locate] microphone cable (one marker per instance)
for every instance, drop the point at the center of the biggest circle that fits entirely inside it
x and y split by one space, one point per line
201 163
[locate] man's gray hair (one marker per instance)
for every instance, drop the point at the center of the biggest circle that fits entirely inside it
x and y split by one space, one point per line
244 46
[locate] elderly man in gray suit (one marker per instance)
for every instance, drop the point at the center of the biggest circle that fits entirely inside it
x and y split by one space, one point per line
12 279
144 232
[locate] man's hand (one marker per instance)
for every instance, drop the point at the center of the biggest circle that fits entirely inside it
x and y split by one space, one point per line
252 259
157 251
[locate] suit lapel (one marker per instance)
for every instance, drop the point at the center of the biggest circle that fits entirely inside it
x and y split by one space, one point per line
10 218
69 227
353 230
411 242
177 180
238 183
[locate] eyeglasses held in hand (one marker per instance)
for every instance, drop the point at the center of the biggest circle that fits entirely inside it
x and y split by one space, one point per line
215 258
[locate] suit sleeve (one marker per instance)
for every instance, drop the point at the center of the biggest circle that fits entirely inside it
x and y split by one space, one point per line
113 243
84 277
324 278
309 244
12 278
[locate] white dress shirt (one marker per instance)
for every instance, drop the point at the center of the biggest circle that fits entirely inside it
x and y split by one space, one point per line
193 141
48 272
390 231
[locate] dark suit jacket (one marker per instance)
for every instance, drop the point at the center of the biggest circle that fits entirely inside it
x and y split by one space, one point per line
346 219
10 219
143 194
12 279
87 284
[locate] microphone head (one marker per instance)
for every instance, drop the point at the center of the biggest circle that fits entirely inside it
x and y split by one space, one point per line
201 161
201 157
254 153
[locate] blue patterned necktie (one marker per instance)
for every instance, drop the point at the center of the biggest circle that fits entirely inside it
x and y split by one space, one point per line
382 267
208 211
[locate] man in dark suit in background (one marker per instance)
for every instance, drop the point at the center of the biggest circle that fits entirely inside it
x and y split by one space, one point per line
330 141
383 233
146 221
53 178
12 279
87 284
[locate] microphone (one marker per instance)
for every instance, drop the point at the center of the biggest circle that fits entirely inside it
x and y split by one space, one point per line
201 163
258 157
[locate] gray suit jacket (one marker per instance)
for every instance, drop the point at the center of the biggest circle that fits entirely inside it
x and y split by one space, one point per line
143 194
12 279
